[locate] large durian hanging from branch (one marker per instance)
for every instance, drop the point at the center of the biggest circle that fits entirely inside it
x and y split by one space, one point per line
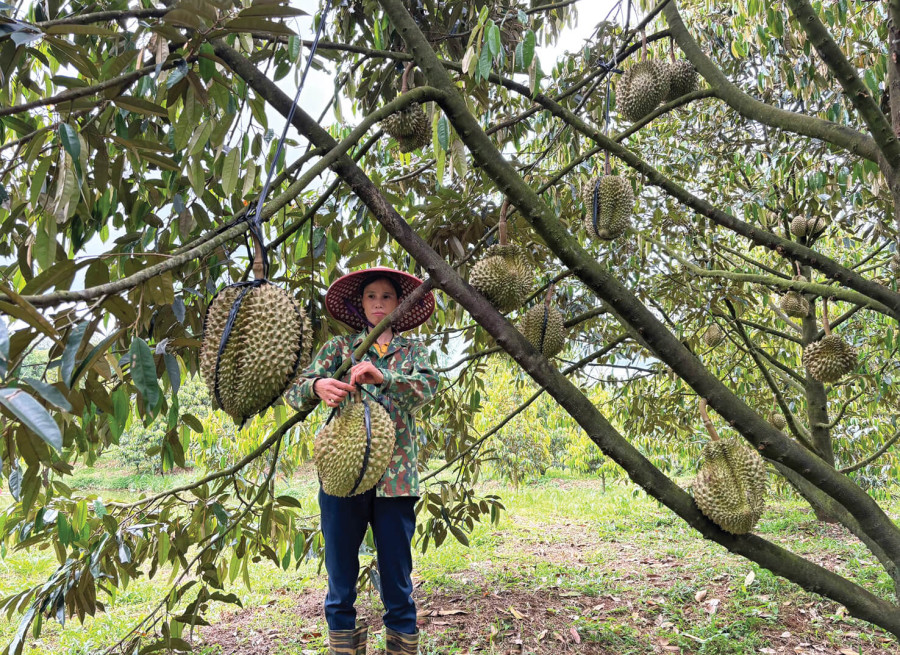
730 486
714 335
409 126
609 201
544 327
793 303
352 452
255 339
808 226
503 276
830 358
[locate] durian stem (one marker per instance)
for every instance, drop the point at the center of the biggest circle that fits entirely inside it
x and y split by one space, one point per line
825 324
672 49
504 208
643 45
404 81
707 422
259 267
549 297
608 167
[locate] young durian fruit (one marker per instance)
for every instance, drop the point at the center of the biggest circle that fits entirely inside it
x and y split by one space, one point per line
409 126
642 88
503 276
270 340
714 335
812 226
609 200
682 79
793 303
730 486
777 420
830 358
895 265
340 449
544 327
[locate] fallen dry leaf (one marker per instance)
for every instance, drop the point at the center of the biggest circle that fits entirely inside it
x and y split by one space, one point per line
700 595
575 636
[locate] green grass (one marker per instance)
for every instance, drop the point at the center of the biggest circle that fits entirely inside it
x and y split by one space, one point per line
561 539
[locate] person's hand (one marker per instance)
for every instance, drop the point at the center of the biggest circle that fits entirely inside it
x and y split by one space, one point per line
365 373
332 391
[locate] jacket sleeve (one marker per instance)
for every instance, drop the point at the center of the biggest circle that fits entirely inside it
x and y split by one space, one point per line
323 365
415 383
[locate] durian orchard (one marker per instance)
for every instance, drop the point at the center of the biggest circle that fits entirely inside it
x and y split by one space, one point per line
695 211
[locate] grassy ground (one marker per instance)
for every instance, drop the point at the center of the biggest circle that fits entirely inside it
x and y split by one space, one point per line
571 569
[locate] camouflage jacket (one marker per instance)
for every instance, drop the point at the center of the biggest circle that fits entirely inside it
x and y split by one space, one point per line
409 383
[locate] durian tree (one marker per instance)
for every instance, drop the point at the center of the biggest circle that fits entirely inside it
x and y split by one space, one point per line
134 138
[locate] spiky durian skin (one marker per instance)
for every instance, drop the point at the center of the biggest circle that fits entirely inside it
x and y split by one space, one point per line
269 341
829 359
615 205
409 127
815 225
798 226
713 336
503 276
682 79
730 487
548 339
777 420
793 304
641 89
340 447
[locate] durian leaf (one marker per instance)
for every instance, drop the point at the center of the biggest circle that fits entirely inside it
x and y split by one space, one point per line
143 372
32 415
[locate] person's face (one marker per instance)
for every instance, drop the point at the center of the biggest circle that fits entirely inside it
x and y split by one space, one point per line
378 300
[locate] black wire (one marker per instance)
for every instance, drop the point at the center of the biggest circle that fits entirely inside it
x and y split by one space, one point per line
254 217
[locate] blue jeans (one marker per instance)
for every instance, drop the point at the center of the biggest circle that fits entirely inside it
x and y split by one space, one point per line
344 523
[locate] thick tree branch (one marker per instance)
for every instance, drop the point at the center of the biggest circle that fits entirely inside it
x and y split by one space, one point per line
104 17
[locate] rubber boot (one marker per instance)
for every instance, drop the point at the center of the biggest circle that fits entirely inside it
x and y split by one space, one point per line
360 639
342 642
399 643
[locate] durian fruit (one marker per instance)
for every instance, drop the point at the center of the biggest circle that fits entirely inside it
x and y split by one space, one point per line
812 226
829 359
614 206
544 327
895 264
777 420
793 304
713 336
730 487
642 88
340 448
409 127
682 79
270 341
503 276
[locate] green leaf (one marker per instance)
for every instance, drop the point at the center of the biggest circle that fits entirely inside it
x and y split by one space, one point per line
49 393
4 347
15 483
141 106
100 508
253 24
143 372
73 342
493 40
528 44
484 64
93 356
443 132
69 137
173 371
32 415
231 168
192 422
45 242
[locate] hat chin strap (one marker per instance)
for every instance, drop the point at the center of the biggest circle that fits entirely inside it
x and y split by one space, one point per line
355 311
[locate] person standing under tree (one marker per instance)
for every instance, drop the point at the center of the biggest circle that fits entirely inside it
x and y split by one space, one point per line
397 371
